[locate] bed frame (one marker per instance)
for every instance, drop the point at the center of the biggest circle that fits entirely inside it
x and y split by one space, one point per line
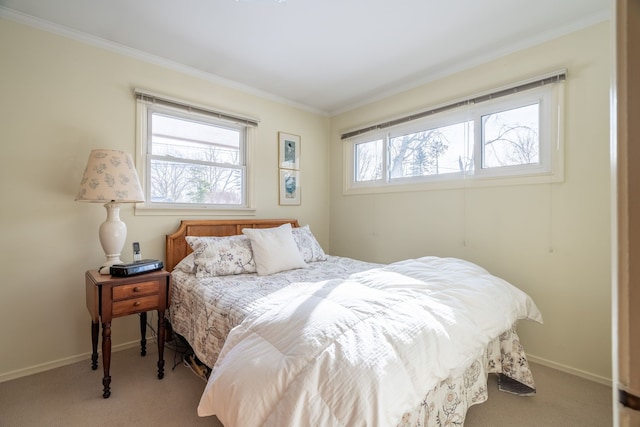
177 247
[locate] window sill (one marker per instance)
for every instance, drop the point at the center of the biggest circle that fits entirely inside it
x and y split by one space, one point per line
449 184
181 211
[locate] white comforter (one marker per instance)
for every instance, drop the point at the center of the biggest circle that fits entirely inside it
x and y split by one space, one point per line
361 351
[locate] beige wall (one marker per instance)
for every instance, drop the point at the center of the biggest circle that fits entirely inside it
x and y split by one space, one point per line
551 240
59 99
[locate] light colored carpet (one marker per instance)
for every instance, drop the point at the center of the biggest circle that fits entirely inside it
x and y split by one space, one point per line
561 400
71 396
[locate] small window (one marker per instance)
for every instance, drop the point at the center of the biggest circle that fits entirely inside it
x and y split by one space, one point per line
511 137
369 162
192 160
508 140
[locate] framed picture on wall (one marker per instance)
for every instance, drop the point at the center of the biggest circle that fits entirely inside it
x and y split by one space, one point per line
288 151
289 187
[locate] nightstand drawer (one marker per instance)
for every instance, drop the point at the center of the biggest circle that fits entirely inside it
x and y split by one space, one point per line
136 290
135 305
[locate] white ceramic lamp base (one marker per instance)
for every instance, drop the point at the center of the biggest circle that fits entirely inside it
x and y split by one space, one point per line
113 233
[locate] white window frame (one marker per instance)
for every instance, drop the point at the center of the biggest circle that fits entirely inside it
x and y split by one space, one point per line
144 111
543 97
551 156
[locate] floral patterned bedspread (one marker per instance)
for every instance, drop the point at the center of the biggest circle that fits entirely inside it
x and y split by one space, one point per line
204 310
447 403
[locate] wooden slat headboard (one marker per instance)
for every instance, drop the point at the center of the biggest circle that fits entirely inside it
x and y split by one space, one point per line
177 247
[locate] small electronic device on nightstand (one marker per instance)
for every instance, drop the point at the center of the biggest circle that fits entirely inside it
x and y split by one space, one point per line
137 255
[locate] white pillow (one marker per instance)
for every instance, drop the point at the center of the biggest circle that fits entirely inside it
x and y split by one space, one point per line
274 249
308 245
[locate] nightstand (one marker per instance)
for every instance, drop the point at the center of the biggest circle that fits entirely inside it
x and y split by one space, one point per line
109 297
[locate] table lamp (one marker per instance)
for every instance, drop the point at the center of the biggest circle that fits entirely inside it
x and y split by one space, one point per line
110 178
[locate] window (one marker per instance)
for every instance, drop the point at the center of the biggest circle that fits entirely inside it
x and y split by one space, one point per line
369 160
511 137
436 151
508 139
193 158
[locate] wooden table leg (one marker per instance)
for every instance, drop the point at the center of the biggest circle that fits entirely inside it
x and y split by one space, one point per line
143 333
95 327
106 358
160 344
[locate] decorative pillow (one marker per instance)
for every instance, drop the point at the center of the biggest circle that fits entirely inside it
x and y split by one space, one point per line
187 264
274 249
222 256
308 245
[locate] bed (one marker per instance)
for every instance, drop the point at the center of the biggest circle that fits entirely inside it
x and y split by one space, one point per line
325 340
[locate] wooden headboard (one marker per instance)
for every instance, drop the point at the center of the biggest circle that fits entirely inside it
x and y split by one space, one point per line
177 247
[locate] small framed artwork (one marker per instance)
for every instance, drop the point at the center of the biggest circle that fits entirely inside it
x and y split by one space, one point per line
288 151
289 187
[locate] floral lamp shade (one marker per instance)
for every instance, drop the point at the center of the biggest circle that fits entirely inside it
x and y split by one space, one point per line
110 176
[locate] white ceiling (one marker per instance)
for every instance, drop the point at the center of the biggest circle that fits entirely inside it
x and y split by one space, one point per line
323 55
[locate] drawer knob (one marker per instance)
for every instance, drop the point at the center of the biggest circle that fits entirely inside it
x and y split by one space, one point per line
136 289
137 303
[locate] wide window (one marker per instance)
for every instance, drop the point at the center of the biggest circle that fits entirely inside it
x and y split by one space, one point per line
193 159
512 138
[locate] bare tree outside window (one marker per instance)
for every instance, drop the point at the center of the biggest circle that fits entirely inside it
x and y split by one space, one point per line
511 137
195 162
168 181
416 154
431 152
369 160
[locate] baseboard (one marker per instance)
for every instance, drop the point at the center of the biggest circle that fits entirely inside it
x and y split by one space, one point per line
60 362
569 370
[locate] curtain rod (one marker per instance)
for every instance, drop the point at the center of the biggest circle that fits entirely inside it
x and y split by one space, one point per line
170 102
553 78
